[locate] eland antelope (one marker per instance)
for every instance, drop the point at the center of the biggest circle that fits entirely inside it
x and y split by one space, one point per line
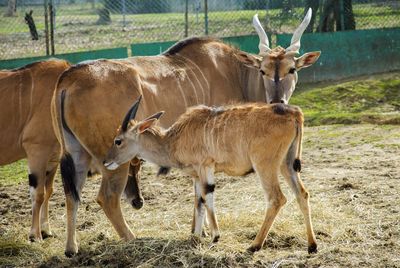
91 98
233 139
26 132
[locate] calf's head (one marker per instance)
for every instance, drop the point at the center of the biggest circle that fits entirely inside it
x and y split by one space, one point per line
127 142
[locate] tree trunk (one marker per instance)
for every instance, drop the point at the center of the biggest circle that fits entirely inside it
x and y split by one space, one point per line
12 8
327 17
337 13
314 5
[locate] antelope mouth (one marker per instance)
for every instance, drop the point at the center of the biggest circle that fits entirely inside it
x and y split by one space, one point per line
111 165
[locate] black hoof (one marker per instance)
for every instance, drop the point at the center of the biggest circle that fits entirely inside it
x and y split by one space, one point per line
312 248
137 203
69 254
32 238
46 235
253 249
216 239
204 233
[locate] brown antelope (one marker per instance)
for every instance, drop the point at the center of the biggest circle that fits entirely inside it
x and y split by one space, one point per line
91 98
234 140
26 132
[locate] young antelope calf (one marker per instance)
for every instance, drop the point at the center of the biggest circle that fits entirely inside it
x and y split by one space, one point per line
233 139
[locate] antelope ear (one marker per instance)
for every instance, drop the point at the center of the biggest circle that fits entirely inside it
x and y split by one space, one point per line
149 121
143 126
155 116
249 60
307 59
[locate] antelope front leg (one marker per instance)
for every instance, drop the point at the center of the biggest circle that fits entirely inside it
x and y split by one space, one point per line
196 200
208 187
109 198
199 210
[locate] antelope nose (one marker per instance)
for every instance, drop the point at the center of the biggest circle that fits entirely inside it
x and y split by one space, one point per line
277 101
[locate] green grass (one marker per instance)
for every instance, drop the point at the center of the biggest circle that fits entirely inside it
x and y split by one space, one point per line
361 101
14 173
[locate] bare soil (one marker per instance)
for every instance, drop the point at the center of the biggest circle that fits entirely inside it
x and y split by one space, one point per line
352 173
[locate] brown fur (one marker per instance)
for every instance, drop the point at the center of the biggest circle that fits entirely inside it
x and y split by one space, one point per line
26 131
98 93
233 140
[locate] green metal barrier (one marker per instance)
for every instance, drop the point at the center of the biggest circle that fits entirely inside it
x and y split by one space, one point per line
150 49
113 53
349 53
344 54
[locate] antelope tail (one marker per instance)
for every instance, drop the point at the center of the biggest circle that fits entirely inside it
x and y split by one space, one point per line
60 126
298 140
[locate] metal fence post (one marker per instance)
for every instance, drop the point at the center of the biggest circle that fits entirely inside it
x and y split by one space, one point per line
206 17
123 13
186 18
46 26
52 19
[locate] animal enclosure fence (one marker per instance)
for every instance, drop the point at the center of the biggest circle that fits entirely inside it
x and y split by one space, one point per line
39 27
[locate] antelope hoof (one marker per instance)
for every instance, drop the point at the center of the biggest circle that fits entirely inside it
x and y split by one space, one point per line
216 238
137 203
70 253
312 248
47 234
195 239
34 238
253 248
204 233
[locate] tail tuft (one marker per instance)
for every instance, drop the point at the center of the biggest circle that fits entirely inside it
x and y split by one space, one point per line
297 165
67 168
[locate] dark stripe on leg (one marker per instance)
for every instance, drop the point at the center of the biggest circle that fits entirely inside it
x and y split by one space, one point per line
210 188
201 202
297 165
33 181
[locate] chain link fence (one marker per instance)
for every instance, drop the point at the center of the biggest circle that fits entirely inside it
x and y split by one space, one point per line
81 25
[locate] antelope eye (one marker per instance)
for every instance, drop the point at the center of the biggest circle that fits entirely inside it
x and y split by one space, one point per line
117 142
292 70
262 72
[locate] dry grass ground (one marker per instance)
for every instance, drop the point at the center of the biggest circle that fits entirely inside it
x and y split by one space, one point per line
352 173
